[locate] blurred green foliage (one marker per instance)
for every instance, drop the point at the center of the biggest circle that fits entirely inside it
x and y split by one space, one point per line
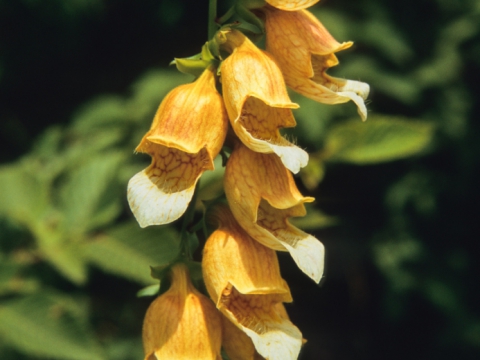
396 195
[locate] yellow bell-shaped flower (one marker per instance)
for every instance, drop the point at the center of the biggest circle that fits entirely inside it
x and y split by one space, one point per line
262 195
182 324
186 135
257 101
304 50
291 5
237 345
243 279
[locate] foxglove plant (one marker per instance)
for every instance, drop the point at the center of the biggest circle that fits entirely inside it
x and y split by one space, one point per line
251 222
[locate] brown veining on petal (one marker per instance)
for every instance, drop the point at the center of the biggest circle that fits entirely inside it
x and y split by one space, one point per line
270 218
305 50
319 65
263 121
174 170
251 311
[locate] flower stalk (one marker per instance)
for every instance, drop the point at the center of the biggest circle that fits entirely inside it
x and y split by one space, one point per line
212 18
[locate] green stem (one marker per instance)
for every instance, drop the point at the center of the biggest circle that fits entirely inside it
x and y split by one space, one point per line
212 17
227 15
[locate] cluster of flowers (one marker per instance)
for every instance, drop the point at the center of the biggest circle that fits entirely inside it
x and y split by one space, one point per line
240 265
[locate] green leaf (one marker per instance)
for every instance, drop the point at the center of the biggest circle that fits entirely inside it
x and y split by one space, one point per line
149 290
125 349
90 197
49 142
50 326
150 90
400 87
23 197
67 258
315 219
191 66
11 280
211 184
379 139
103 111
129 251
313 173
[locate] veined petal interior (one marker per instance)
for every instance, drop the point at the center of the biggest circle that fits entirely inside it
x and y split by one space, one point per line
258 127
273 335
307 252
161 193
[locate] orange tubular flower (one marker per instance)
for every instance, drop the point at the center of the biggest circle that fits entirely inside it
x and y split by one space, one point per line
257 101
262 195
304 50
186 135
243 278
292 5
182 324
237 344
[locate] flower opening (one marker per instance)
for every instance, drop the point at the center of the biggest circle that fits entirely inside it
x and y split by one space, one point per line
243 279
304 50
186 135
262 195
257 102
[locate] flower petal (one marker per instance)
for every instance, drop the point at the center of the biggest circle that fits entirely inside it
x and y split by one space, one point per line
232 258
236 343
161 193
292 5
186 135
191 117
262 195
243 278
274 336
257 101
182 323
307 252
305 50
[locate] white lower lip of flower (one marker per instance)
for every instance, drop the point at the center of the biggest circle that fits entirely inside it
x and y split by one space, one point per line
360 88
279 340
292 156
152 204
307 252
273 335
309 255
358 100
356 91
